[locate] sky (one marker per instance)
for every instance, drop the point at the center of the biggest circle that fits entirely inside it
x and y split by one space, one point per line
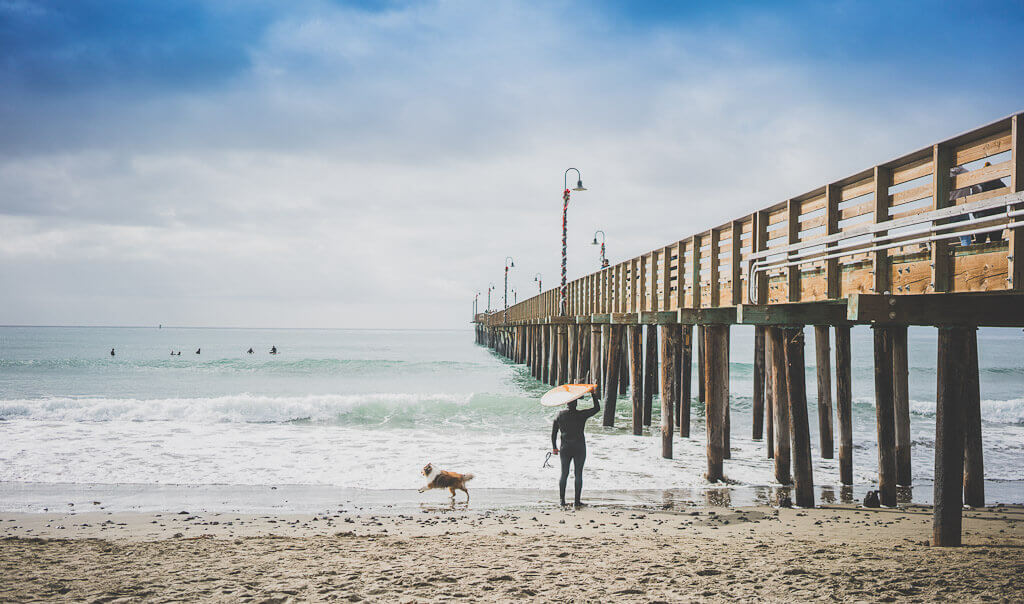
371 164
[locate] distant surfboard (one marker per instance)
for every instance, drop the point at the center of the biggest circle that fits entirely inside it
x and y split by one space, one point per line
566 393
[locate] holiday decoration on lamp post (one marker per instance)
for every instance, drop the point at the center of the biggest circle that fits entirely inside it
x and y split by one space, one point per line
540 286
509 263
565 211
604 260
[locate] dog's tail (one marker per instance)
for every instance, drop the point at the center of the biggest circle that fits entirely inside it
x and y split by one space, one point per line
467 477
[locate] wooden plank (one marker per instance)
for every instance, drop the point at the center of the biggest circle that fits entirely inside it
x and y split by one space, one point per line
666 260
911 195
1015 265
854 190
695 297
983 309
940 262
858 210
832 312
735 264
831 228
714 264
908 172
760 244
981 175
793 272
880 213
999 142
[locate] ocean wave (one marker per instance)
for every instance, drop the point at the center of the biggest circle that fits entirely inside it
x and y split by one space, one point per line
390 409
306 366
1009 411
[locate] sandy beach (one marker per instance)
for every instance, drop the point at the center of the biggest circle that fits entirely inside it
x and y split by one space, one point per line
753 554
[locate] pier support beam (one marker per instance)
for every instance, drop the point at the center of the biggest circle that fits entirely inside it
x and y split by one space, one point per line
547 332
650 371
901 403
595 357
670 345
563 355
716 354
974 465
844 404
613 364
884 415
701 365
803 472
769 395
571 358
780 404
952 371
583 370
758 428
823 366
685 385
636 366
623 363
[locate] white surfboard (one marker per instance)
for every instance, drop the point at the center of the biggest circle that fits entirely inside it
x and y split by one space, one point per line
566 393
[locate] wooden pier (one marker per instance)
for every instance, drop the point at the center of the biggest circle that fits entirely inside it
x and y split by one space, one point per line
890 246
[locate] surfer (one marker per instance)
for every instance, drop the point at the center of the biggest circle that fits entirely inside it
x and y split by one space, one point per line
249 351
570 423
111 352
273 350
199 351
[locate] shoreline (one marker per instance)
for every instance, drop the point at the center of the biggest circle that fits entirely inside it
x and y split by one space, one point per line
19 497
753 553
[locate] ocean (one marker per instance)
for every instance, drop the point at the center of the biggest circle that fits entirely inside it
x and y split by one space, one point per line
354 415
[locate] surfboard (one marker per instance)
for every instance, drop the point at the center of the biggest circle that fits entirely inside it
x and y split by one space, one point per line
566 393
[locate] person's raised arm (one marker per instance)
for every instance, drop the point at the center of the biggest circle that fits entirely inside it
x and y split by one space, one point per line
554 437
597 405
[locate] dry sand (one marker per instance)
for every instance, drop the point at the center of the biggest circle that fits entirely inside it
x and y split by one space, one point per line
546 555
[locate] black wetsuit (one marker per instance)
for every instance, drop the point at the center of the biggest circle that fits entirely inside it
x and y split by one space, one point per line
570 423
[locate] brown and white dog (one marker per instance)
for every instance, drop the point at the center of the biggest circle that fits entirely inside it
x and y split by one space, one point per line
443 479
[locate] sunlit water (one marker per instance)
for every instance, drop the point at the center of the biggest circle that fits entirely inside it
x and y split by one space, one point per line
366 409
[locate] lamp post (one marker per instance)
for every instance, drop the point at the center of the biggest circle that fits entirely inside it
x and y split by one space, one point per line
489 289
540 286
476 302
565 211
604 261
515 298
509 263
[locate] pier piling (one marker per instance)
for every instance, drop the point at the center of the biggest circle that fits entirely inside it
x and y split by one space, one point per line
844 404
884 415
650 371
823 367
670 345
796 388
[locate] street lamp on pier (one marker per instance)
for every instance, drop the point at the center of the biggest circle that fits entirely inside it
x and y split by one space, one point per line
509 263
604 261
565 211
540 286
490 288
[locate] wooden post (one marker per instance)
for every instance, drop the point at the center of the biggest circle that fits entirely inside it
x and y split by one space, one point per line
824 370
685 379
769 395
650 371
545 344
844 404
901 403
572 360
606 335
669 388
612 386
951 370
758 429
884 416
636 363
727 421
803 472
780 404
595 357
717 356
701 366
1015 252
583 370
552 359
941 264
974 466
623 364
563 354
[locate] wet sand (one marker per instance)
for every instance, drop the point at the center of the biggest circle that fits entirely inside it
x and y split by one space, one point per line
755 553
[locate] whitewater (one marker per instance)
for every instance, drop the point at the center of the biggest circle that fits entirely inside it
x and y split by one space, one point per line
364 410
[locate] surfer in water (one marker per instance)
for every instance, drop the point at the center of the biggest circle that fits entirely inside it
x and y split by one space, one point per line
570 423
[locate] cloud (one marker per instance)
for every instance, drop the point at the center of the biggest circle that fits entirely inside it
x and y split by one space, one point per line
372 165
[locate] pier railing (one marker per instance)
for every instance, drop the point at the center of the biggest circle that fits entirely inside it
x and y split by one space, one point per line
893 228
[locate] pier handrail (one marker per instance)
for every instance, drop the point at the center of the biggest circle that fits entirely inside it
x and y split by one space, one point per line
853 235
